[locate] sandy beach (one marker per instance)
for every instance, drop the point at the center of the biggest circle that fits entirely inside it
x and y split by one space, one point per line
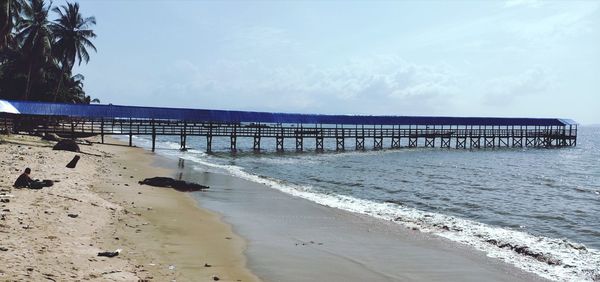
55 233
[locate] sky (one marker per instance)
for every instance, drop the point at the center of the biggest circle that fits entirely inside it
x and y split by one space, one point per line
516 58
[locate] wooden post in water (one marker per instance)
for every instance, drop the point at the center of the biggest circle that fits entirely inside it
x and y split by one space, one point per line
339 139
153 136
257 135
360 140
395 138
183 138
102 130
279 141
319 139
233 140
130 133
377 139
209 138
299 134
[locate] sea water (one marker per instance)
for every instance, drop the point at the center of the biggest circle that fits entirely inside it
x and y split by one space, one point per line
538 209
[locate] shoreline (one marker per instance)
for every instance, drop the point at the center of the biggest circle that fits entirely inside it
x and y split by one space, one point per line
163 234
294 239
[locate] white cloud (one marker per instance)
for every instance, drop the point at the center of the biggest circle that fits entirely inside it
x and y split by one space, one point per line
505 91
384 84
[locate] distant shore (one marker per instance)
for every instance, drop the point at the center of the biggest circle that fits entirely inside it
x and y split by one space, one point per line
55 233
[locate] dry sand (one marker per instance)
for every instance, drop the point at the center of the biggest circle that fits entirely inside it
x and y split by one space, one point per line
162 233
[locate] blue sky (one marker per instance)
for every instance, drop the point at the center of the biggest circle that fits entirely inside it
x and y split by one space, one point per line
477 58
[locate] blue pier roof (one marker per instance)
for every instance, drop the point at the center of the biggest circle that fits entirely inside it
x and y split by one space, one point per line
204 115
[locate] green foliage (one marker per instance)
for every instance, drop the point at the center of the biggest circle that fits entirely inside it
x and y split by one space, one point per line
37 55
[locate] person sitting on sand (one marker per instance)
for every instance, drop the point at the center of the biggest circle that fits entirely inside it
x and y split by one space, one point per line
24 181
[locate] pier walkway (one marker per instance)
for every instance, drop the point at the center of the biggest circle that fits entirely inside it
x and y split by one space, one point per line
348 131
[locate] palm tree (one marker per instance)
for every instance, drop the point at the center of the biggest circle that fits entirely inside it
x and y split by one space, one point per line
34 37
9 15
72 38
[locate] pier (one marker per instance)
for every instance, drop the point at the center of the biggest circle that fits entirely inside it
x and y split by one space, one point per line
347 132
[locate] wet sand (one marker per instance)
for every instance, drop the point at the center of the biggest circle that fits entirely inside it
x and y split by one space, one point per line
292 239
54 234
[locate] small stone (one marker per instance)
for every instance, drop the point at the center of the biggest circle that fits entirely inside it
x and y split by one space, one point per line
207 265
72 215
216 278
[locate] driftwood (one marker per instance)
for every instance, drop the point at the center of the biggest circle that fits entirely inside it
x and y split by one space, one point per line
178 185
73 162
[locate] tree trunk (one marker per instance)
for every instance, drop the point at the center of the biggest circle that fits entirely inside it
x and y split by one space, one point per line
6 25
28 85
64 70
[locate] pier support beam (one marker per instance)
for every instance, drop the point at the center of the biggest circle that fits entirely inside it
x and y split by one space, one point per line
461 142
339 139
319 144
517 141
475 142
429 142
413 138
256 144
360 139
233 143
339 144
233 140
360 144
445 142
299 143
102 131
279 143
412 142
378 143
183 137
182 141
530 141
489 142
395 143
209 137
153 138
130 133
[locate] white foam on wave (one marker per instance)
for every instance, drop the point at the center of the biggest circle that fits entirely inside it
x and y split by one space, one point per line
557 259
